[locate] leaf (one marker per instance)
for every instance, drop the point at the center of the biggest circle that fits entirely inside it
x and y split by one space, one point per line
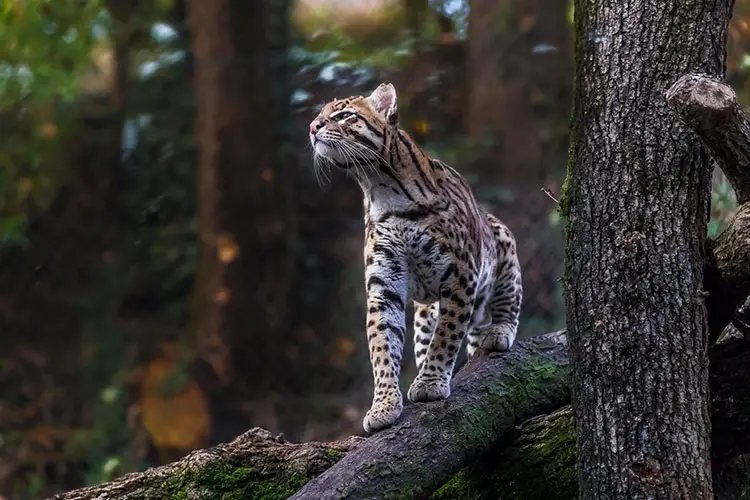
13 230
345 345
421 127
527 23
179 421
227 249
48 130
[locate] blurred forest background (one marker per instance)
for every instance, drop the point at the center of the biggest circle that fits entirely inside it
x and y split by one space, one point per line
158 294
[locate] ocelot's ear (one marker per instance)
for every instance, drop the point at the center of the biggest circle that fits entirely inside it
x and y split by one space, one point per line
383 99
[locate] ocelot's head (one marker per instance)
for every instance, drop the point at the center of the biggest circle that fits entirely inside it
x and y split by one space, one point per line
356 132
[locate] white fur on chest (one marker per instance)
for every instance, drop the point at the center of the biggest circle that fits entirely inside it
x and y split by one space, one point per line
383 200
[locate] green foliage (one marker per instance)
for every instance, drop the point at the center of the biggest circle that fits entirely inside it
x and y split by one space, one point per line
44 46
159 204
106 444
45 49
723 206
337 47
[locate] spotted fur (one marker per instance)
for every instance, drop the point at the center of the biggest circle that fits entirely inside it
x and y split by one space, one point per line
426 238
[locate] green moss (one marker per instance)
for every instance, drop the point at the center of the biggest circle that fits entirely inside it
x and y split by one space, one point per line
538 464
543 464
563 207
512 395
234 483
566 194
335 455
460 487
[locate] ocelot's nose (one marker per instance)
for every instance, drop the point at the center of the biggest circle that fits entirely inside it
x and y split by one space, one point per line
315 125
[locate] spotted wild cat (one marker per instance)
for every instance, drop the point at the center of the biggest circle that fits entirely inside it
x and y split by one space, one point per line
426 238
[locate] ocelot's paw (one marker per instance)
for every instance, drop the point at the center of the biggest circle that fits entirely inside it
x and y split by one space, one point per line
497 338
383 413
428 389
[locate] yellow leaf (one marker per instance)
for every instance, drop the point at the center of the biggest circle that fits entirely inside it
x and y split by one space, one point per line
48 130
227 249
345 345
222 296
527 23
180 421
421 126
43 435
25 186
17 7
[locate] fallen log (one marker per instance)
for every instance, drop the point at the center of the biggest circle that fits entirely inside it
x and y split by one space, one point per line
468 449
431 441
254 465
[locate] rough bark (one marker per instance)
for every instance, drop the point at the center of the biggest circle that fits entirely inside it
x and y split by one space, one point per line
710 108
256 465
637 201
534 460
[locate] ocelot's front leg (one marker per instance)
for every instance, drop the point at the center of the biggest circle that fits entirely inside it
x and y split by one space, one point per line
456 306
386 298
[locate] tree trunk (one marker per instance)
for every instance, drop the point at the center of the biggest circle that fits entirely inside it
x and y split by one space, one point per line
245 204
710 108
465 447
637 200
518 71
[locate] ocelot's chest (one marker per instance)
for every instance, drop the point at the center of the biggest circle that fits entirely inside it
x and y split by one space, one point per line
422 249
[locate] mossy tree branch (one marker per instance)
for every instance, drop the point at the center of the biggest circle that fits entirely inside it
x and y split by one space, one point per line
490 395
255 465
466 447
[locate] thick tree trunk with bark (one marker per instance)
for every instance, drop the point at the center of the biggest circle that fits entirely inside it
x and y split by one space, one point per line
710 108
637 197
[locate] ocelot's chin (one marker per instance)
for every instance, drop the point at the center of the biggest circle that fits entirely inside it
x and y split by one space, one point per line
326 152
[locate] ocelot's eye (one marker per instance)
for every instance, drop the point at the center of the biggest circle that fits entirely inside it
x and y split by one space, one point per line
344 115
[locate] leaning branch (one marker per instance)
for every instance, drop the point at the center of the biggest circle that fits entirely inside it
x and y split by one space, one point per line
432 441
710 108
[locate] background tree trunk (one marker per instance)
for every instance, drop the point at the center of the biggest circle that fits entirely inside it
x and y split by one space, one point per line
521 107
244 197
637 201
247 230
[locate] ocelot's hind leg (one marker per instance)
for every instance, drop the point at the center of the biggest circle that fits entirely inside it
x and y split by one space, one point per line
504 305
